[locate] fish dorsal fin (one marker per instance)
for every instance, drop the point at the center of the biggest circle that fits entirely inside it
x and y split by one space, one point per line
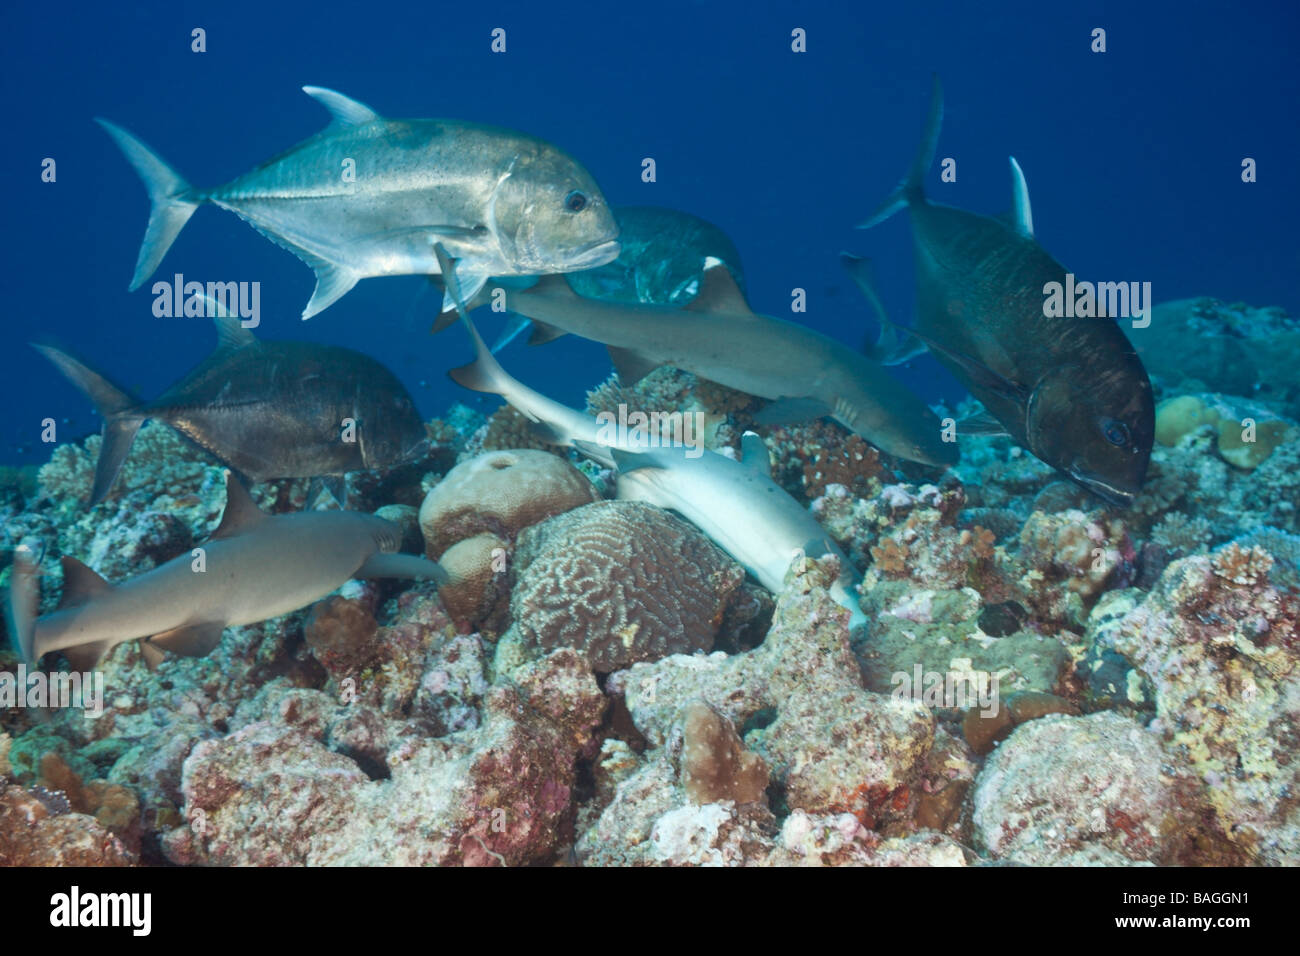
345 110
80 584
231 335
1021 217
718 291
755 456
241 512
554 285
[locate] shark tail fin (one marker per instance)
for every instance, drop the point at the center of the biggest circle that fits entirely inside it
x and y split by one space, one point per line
113 404
172 201
23 603
911 189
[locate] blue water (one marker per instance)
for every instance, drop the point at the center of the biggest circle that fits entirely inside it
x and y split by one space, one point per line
1132 156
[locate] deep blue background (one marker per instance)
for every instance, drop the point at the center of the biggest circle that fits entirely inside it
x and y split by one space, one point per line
1132 157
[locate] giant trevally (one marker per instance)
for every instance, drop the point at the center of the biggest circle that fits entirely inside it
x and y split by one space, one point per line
1071 391
255 566
661 262
717 336
369 196
735 503
267 409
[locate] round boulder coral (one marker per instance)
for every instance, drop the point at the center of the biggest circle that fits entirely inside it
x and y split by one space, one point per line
499 493
621 582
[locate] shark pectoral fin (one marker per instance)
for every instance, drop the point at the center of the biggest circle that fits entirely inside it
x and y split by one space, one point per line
153 656
80 584
192 640
543 333
344 109
631 366
386 565
718 291
84 657
241 511
789 411
755 456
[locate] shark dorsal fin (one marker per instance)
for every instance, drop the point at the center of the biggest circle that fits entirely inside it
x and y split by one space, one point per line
552 284
1021 217
345 110
628 461
241 511
718 291
631 366
80 584
755 456
231 335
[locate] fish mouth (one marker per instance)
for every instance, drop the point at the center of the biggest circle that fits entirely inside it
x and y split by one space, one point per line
1122 497
594 254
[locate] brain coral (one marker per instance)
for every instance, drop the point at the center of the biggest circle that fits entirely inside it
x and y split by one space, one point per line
622 582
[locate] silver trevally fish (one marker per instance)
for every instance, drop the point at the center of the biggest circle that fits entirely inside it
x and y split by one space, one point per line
735 503
256 566
717 336
369 196
267 409
1071 391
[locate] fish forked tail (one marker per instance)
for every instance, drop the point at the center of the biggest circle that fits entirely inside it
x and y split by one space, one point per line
911 189
114 405
172 201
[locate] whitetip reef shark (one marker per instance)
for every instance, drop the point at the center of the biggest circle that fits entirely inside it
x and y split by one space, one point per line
369 196
806 374
253 567
735 503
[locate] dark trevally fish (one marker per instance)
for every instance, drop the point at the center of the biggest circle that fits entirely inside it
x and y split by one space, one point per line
717 336
661 262
267 409
1072 391
662 259
255 567
369 196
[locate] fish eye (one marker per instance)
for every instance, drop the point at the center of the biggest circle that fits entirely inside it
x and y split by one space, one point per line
575 201
1116 432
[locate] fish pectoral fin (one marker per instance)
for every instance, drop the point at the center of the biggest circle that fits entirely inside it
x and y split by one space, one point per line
981 423
231 334
344 109
790 411
754 454
383 564
471 284
516 325
631 366
981 375
192 640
